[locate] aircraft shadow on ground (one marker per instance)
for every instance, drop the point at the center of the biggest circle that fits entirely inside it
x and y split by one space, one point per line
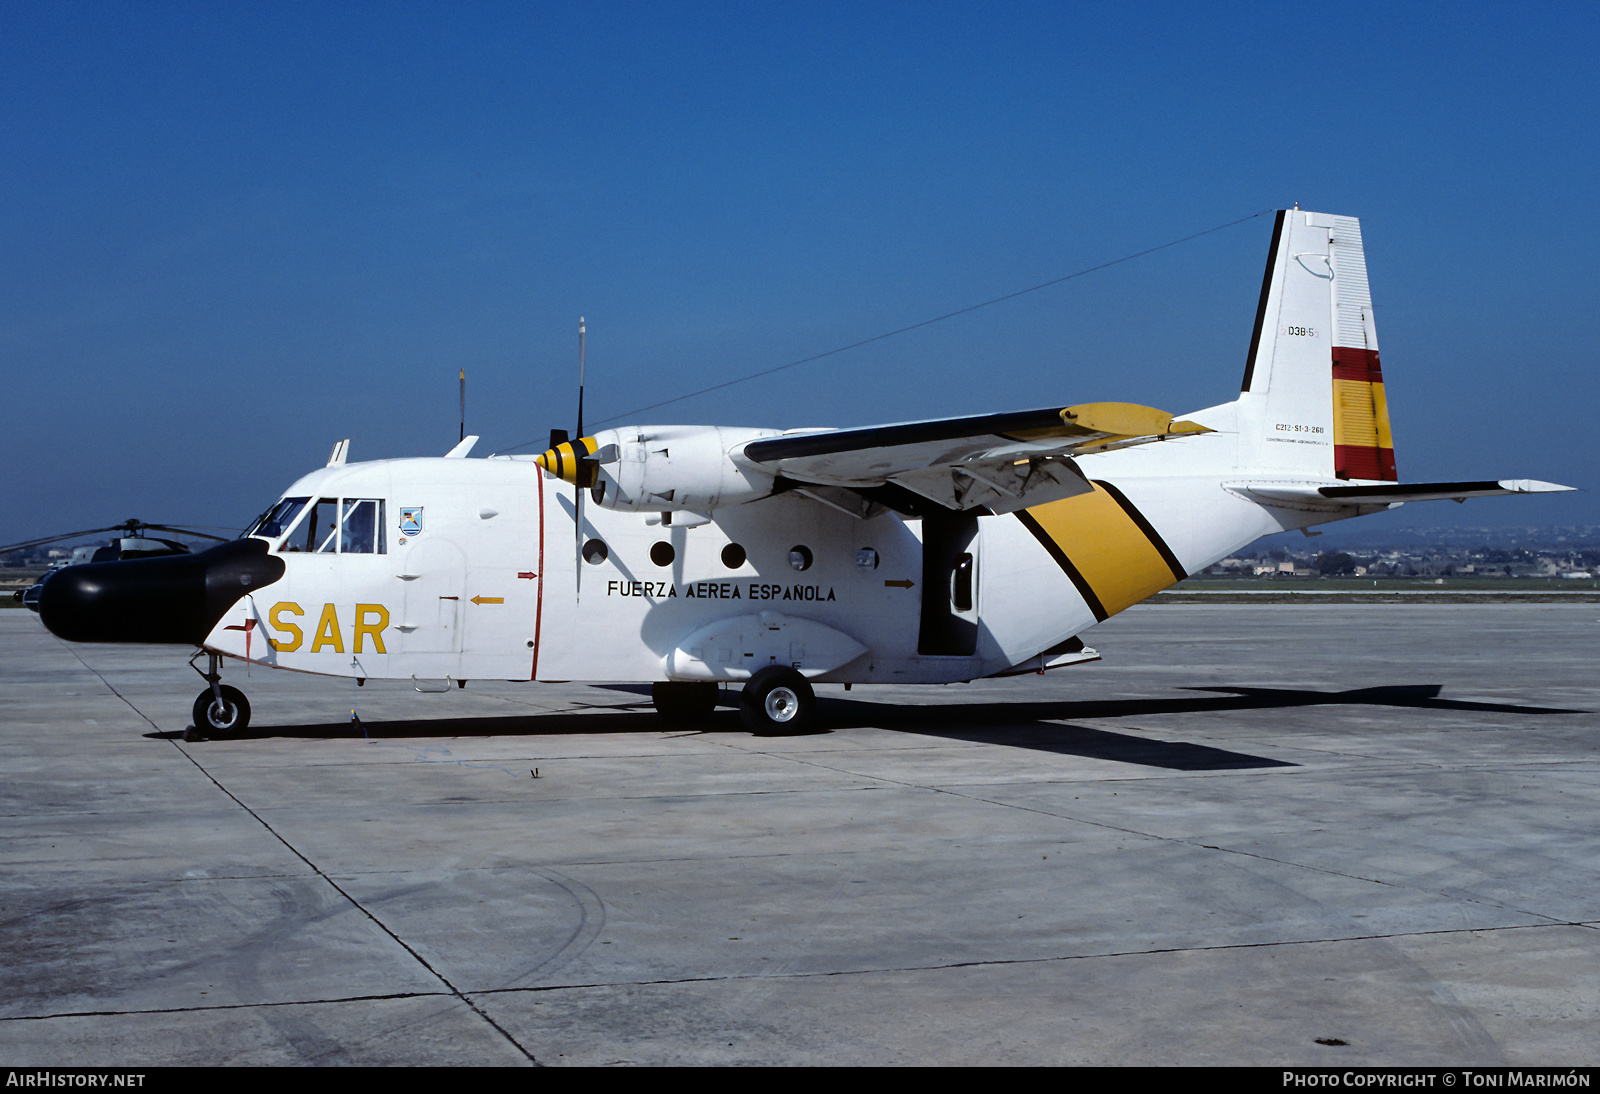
1038 725
1031 725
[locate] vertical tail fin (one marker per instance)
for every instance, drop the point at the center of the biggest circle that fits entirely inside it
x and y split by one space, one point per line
1312 400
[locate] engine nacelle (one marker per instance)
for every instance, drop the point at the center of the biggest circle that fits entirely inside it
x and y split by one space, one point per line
664 468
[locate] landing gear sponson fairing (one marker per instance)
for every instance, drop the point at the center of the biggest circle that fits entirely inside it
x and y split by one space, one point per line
925 552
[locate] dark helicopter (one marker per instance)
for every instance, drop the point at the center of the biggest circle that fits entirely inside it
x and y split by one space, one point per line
132 544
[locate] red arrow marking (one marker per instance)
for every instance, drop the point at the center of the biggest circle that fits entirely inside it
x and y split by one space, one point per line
248 626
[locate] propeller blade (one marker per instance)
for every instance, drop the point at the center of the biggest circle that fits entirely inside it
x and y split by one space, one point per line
577 543
578 484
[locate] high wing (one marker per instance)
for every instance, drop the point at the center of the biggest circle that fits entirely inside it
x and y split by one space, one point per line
1002 462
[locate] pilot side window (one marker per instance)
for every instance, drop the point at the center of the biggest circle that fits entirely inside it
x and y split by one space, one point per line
361 529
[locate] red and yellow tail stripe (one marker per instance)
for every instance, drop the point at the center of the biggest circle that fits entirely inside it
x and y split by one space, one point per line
1111 553
1363 447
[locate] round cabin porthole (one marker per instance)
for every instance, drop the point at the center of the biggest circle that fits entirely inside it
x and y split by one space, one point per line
733 556
800 557
662 554
594 552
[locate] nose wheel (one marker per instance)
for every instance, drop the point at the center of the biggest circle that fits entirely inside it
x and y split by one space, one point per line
221 710
223 717
778 702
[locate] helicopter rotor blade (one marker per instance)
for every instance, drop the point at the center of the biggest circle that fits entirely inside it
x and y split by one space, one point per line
188 532
127 527
57 539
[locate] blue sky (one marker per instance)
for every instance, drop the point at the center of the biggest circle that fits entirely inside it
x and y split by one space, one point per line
235 233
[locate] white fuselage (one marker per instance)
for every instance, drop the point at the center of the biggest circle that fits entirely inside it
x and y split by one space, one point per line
482 584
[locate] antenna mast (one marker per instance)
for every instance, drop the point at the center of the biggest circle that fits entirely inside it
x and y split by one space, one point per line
581 329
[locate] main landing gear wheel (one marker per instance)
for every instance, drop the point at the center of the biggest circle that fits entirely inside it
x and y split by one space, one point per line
231 716
681 702
778 701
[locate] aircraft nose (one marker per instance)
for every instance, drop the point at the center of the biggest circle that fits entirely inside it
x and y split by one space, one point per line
174 599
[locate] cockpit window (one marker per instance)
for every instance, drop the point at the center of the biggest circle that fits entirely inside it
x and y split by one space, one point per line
322 531
318 530
274 521
361 530
353 526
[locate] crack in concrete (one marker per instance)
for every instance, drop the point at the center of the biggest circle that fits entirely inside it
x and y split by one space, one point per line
451 988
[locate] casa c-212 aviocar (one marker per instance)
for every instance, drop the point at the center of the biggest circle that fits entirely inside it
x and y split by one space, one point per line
707 556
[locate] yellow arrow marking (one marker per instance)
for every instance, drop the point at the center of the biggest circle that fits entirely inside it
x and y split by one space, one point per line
488 600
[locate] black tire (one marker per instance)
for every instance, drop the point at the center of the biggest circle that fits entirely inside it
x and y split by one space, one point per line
778 702
682 702
231 719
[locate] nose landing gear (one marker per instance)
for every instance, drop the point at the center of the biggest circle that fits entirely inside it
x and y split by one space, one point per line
220 710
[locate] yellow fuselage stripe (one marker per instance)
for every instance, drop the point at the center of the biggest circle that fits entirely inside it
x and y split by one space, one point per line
1107 547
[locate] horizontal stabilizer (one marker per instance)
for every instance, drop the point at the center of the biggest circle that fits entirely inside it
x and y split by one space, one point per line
1300 493
1439 491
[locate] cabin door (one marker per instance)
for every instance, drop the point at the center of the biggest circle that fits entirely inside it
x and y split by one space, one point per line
949 625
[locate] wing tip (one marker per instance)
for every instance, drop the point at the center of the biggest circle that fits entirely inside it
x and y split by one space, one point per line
1533 486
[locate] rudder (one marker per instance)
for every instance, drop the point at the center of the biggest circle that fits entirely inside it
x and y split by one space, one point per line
1312 401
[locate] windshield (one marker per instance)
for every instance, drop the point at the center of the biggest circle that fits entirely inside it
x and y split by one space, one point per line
276 520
